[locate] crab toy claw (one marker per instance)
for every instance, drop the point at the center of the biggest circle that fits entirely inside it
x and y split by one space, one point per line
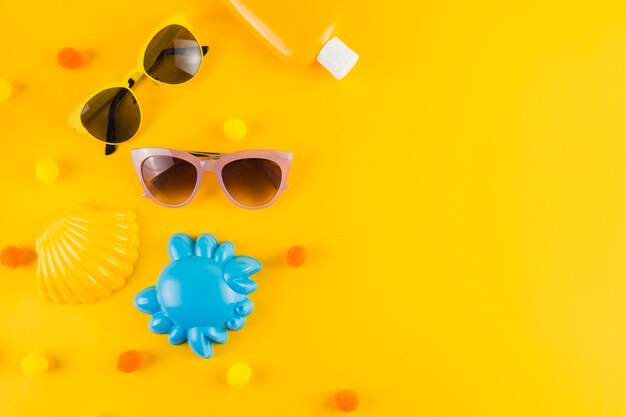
201 294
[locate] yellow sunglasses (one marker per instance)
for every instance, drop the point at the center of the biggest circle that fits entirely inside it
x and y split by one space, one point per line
171 55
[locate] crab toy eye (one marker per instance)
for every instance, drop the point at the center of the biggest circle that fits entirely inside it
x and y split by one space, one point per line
201 294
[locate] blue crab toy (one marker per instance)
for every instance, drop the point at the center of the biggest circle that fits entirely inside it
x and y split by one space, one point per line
201 293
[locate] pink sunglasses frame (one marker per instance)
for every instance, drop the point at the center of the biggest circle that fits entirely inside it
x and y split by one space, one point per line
214 163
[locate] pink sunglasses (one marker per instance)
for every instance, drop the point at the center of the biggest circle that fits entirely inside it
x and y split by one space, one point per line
251 179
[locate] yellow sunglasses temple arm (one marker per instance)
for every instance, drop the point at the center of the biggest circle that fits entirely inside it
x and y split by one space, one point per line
133 78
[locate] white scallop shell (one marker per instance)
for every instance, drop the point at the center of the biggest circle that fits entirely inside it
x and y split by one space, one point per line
87 255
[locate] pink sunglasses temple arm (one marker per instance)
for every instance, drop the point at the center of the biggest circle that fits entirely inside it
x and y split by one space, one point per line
211 155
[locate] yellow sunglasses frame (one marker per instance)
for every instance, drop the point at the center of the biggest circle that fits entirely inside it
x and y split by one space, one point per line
132 78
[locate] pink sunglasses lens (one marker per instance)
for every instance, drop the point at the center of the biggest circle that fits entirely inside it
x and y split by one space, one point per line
169 179
252 182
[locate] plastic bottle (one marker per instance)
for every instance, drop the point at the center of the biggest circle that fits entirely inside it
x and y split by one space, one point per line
300 31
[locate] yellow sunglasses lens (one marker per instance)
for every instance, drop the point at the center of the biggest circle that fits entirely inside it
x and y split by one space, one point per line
112 115
173 56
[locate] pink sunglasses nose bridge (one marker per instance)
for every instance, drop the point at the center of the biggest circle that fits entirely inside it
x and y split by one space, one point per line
208 165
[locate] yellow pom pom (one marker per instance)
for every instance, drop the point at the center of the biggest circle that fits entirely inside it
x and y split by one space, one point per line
239 375
5 90
34 364
47 171
235 129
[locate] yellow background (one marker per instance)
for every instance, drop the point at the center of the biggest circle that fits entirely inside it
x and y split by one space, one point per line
461 195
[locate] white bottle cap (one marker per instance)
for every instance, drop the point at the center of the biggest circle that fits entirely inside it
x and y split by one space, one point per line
337 58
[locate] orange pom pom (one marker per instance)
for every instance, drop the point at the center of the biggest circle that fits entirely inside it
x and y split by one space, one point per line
347 400
11 257
129 361
70 58
296 256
